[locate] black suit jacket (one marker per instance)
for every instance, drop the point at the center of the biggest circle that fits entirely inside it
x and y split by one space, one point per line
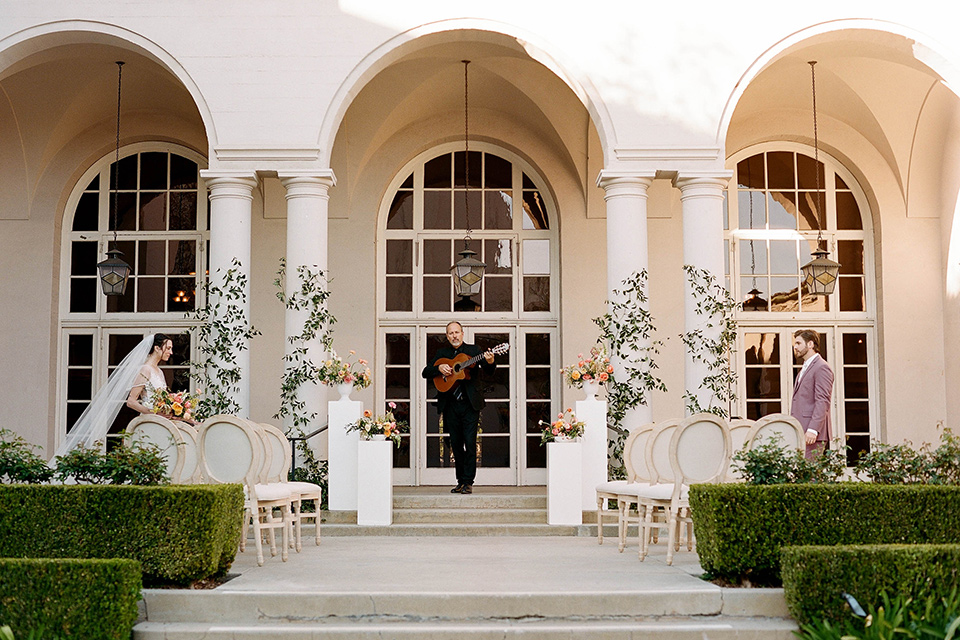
470 386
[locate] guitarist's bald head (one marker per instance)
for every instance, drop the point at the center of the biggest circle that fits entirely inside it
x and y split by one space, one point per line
454 322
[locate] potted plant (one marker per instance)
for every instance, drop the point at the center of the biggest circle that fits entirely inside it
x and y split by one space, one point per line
373 427
589 373
344 373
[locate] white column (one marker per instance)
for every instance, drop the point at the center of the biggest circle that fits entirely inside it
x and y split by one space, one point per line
308 197
375 482
231 200
627 251
593 455
342 454
701 198
564 461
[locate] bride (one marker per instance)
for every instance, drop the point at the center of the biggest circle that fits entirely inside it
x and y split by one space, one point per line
131 383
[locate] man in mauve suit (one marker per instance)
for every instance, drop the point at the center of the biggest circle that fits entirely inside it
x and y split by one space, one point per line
812 391
461 405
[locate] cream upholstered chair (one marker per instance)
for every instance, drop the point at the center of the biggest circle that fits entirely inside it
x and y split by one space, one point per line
739 434
190 473
275 439
782 425
610 490
656 466
150 428
231 450
699 452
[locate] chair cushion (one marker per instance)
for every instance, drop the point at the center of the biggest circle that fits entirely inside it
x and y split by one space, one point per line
611 486
658 491
273 491
303 487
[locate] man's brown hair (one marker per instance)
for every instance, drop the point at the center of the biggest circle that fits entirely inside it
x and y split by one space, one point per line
809 335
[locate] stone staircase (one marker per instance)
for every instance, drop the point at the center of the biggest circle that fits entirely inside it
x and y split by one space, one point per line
476 567
489 511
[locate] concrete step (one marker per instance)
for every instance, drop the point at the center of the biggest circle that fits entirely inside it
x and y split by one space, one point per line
471 501
692 613
467 529
565 629
477 515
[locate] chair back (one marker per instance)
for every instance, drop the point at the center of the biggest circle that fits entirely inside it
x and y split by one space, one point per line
635 453
191 454
700 449
658 451
230 451
279 447
739 433
769 427
150 428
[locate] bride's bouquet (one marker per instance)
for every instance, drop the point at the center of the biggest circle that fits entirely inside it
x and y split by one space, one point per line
181 404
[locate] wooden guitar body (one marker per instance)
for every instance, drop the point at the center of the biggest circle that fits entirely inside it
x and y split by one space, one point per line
460 372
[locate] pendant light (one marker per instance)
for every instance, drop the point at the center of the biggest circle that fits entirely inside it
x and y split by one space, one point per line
468 271
820 274
114 272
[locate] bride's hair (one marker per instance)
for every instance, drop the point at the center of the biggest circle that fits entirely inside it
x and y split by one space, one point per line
159 339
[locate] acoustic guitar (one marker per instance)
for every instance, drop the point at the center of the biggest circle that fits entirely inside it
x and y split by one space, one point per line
461 367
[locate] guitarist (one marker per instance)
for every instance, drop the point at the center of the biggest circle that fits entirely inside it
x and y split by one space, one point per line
461 405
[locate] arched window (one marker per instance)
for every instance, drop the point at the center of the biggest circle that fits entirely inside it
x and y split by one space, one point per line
513 230
774 215
161 226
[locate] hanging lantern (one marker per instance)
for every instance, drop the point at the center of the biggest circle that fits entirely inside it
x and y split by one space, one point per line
820 274
754 302
114 272
468 271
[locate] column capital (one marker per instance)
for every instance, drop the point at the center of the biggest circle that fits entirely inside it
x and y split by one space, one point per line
702 185
307 184
623 183
229 184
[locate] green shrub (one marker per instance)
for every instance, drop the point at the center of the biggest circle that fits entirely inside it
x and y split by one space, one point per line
178 533
140 465
900 464
930 618
816 577
69 597
18 462
772 463
741 528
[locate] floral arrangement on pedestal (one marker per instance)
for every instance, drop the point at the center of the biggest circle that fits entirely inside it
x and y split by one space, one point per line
180 404
336 370
386 426
596 368
566 427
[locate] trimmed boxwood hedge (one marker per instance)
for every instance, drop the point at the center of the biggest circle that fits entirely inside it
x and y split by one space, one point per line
815 577
741 528
69 598
178 533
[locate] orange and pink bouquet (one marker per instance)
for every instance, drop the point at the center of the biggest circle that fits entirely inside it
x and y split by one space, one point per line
565 427
595 368
180 404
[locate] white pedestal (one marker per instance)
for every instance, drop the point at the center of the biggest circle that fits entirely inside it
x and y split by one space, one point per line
564 462
342 454
375 482
594 414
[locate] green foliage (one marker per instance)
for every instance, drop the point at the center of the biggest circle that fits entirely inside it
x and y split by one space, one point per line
140 465
901 464
741 528
299 370
717 308
772 463
628 330
221 332
178 533
18 462
815 579
312 470
69 597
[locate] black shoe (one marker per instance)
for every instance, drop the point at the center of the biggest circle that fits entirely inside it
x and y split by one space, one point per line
458 489
467 488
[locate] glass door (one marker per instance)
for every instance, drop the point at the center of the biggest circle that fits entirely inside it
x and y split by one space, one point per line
497 437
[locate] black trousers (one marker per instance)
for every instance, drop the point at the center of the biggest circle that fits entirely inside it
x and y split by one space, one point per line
460 421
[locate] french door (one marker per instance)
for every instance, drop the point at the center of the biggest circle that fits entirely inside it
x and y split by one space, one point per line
768 370
521 392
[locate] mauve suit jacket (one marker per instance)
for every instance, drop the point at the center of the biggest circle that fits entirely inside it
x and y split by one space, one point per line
811 399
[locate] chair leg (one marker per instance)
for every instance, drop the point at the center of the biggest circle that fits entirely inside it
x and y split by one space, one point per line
600 502
296 542
646 530
286 522
671 533
245 529
257 536
622 510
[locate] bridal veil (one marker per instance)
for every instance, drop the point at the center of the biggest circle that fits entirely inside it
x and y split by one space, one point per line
94 423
